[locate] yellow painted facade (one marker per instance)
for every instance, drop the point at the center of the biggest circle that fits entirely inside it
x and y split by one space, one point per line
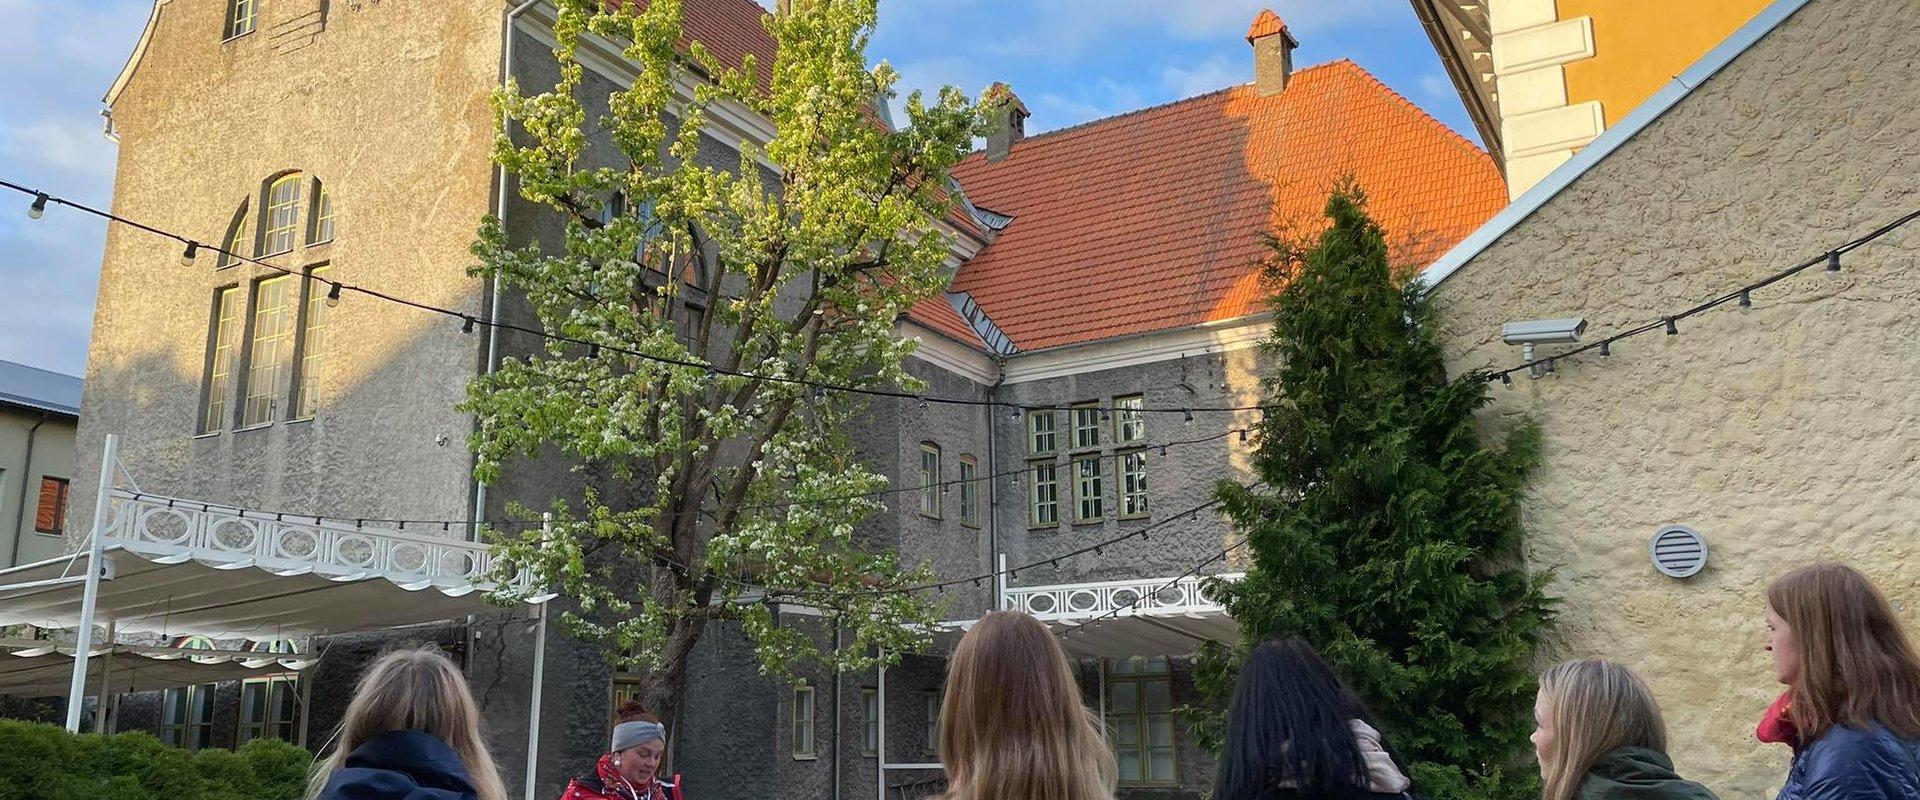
1639 45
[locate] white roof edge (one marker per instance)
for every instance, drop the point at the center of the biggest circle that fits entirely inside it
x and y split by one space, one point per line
1653 108
133 60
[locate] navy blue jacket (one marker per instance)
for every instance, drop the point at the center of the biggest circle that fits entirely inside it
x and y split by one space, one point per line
400 765
1855 764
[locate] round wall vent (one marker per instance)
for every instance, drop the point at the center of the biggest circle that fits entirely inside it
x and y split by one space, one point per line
1679 551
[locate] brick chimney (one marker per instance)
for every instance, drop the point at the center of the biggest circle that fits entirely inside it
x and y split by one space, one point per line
1007 117
1272 52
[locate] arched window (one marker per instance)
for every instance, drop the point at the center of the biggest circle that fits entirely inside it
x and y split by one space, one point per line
270 707
280 214
186 719
320 228
235 242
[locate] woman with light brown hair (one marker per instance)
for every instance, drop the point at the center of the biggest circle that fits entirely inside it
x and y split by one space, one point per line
1599 736
1013 726
412 732
1851 711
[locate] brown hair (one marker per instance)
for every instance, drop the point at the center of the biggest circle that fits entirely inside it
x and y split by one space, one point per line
1013 725
1857 666
633 711
416 689
1595 707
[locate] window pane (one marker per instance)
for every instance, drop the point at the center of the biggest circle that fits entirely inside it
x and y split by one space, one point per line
313 345
1160 764
272 353
1130 423
253 702
1086 426
1089 489
1040 429
282 214
1159 695
225 334
322 215
1045 494
1124 697
1160 730
930 488
235 244
1130 765
241 21
1126 731
1133 484
870 717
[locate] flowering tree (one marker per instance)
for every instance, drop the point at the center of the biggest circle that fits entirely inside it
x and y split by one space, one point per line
706 304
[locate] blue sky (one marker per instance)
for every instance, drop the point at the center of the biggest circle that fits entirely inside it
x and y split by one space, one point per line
1070 60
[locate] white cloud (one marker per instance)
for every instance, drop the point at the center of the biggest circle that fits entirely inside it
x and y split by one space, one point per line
1435 88
1219 72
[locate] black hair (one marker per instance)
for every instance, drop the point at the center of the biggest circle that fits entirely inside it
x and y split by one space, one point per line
1289 726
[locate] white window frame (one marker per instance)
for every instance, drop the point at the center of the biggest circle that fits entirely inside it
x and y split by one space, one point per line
802 728
1086 420
223 340
1049 500
1089 489
1133 485
235 19
280 214
931 488
272 341
1037 433
1129 419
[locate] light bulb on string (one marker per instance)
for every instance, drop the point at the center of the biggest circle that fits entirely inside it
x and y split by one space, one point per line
39 206
1606 349
1833 261
1672 329
1506 379
188 255
1746 299
466 325
333 295
1189 415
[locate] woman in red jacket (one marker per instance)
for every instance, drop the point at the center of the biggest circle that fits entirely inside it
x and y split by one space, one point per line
630 769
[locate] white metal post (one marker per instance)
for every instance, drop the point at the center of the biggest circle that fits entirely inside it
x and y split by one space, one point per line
539 676
880 731
306 692
1000 584
77 688
106 683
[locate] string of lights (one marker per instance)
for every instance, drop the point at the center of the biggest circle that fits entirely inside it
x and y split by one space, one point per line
468 322
1742 296
447 525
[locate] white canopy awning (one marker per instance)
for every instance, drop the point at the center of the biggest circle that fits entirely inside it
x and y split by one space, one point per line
1120 619
42 669
173 567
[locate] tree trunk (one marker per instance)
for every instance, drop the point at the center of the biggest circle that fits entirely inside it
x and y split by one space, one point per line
664 690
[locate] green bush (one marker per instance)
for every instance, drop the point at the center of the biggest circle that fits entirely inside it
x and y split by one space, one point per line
44 762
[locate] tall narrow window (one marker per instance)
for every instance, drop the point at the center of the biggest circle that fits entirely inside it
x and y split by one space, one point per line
1042 433
930 483
627 677
270 707
1133 484
933 724
312 344
282 219
969 492
50 515
271 356
1086 426
1089 489
221 340
1043 494
1140 720
241 16
186 713
322 230
803 722
235 244
869 722
1129 419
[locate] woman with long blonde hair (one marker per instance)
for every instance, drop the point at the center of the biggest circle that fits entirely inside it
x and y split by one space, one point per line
412 732
1012 726
1599 736
1851 711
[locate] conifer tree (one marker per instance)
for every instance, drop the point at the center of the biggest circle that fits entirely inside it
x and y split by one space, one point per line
1386 529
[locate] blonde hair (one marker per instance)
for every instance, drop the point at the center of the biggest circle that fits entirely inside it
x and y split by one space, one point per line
1013 725
1595 707
416 689
1857 666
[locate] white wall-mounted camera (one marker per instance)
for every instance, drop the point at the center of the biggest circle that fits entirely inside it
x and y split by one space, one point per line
1565 330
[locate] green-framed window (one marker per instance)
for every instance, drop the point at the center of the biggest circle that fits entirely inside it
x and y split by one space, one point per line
1140 721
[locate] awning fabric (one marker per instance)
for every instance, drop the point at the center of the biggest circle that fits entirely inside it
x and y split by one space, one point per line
1126 636
48 671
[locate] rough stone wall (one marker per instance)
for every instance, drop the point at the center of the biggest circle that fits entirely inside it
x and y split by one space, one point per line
387 104
1784 433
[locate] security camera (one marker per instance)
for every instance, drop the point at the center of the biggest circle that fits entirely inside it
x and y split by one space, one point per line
1543 331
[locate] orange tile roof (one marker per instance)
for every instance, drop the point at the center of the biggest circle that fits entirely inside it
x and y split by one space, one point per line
1153 219
936 313
1266 23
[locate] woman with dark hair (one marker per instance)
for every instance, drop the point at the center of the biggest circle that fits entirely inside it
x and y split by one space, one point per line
1851 711
630 768
1296 732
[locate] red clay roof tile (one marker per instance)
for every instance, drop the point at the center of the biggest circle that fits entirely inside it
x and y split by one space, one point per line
1153 219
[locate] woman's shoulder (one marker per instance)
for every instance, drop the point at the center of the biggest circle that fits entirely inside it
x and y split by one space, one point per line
1851 747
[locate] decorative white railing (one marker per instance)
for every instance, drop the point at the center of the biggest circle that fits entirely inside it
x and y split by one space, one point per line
1139 596
162 526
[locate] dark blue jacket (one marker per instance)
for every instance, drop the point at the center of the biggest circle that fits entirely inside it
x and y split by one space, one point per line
400 765
1855 764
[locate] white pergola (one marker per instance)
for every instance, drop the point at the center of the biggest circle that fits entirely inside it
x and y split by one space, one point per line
176 567
1105 619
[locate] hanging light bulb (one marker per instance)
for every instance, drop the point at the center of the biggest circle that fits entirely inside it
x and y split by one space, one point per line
39 206
333 296
1506 379
1014 415
1833 261
1746 299
1243 434
188 255
1549 366
466 326
1606 349
1189 413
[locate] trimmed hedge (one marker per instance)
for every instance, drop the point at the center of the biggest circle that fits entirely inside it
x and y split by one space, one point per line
44 762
